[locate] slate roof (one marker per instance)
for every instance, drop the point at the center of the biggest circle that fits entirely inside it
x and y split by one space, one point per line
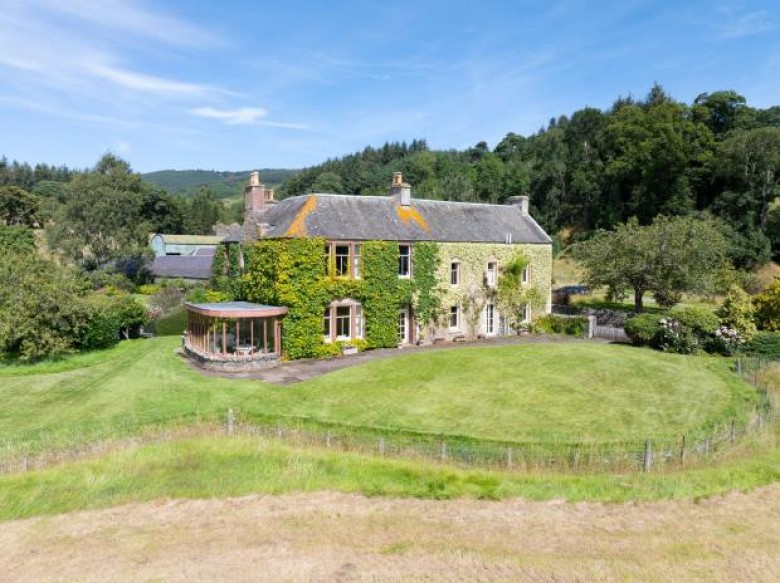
185 266
349 217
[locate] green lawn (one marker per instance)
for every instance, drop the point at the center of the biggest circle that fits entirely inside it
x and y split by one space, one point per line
542 392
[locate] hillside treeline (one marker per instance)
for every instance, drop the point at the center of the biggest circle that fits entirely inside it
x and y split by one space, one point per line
596 169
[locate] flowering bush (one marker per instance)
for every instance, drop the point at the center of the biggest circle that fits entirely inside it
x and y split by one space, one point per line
725 341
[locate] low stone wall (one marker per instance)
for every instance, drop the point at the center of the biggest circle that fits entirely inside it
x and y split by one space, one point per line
231 362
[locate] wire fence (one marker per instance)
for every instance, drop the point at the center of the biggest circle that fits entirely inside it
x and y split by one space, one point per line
654 453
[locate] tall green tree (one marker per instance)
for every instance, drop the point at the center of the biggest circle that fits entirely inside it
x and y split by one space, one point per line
669 257
203 213
101 221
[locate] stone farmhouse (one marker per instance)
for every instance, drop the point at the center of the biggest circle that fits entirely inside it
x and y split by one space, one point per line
471 244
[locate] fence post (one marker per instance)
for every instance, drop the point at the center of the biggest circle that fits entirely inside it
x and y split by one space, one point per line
443 451
327 439
278 431
381 446
231 421
647 462
509 461
682 451
732 433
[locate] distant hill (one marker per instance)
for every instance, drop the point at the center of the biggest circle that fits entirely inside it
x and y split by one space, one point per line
224 184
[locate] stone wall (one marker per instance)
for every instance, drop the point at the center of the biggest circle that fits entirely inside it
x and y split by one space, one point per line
473 259
231 362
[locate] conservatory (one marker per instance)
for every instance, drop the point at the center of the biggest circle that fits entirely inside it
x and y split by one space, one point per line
234 336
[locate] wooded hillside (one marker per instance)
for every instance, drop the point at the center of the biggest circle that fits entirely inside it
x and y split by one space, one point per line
596 169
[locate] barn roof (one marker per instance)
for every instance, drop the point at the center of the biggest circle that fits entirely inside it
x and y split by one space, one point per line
185 266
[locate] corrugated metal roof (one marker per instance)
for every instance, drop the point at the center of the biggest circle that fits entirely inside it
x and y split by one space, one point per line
186 266
339 216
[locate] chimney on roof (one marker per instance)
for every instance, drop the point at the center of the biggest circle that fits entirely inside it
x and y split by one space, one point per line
256 194
401 189
519 201
257 200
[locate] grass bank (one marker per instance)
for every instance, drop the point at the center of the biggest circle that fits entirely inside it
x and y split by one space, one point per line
226 467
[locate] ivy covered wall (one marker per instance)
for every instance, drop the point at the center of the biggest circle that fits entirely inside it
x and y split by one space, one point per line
471 293
294 273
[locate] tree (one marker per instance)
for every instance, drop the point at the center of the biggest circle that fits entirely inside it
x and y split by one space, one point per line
722 111
101 221
19 207
668 257
328 182
203 213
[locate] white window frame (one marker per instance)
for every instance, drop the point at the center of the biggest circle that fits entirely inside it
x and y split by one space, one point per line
491 275
346 260
527 313
454 310
525 276
490 319
408 273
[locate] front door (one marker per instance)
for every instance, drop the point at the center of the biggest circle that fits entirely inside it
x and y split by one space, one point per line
403 326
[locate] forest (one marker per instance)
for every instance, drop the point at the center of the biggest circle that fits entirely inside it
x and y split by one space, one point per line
596 169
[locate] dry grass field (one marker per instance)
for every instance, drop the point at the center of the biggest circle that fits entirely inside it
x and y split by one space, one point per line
328 536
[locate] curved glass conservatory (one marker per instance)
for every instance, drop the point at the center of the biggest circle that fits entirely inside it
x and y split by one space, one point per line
234 336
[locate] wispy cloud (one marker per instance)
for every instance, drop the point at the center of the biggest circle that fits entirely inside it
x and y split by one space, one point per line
131 17
150 83
734 23
243 116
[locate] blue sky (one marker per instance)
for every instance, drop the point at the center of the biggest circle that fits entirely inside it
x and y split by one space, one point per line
241 85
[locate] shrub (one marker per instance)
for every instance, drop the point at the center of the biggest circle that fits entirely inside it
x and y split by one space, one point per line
642 328
148 289
167 299
555 324
672 336
109 318
197 295
768 308
738 312
172 324
214 296
699 320
764 344
725 341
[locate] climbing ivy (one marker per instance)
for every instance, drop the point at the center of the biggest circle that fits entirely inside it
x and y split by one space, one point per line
294 273
226 271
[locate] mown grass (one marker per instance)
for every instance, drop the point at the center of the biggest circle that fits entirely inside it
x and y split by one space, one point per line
528 393
223 467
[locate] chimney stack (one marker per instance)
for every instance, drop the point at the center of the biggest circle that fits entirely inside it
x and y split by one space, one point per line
257 200
401 189
256 195
519 201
